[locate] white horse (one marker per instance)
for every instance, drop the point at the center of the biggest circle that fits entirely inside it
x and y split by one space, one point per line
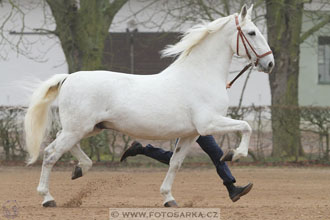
186 100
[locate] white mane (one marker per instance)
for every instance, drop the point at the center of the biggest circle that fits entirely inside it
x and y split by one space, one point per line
193 37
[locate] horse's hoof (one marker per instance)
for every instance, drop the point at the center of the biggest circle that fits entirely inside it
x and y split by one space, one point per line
227 156
171 203
50 203
76 173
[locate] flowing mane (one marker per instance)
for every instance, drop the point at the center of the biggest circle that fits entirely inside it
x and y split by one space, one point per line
193 37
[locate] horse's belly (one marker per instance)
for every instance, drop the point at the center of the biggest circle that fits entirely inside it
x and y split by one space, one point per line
161 129
159 134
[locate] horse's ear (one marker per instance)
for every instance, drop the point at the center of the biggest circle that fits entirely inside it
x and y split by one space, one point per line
243 12
249 12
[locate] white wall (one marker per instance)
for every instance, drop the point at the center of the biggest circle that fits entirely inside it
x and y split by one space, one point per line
310 91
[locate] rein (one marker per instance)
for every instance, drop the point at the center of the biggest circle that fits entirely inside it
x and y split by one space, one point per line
245 41
238 75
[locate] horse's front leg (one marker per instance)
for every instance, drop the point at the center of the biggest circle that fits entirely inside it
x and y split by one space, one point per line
180 152
221 124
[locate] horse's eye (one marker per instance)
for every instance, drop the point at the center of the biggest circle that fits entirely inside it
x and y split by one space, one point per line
252 33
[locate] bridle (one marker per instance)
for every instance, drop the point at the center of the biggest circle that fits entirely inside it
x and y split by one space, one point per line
245 40
246 43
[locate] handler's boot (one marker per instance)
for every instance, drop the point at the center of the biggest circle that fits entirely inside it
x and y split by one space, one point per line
235 192
135 149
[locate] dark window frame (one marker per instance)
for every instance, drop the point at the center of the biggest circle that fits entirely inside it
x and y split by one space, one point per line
323 60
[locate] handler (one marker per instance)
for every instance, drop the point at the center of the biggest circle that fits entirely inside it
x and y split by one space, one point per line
209 146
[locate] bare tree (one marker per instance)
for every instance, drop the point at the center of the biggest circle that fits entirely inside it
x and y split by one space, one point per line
284 25
81 27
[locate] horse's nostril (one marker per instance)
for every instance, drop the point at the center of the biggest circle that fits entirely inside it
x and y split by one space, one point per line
270 65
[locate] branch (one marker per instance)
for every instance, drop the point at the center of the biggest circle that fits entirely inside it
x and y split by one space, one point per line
315 28
44 31
114 7
20 40
226 6
205 9
219 12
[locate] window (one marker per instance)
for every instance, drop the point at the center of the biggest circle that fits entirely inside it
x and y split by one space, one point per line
324 60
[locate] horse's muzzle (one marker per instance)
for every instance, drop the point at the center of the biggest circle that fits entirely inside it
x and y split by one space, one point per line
266 68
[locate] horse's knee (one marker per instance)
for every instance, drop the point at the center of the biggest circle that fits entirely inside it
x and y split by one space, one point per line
175 165
49 150
247 128
50 160
51 157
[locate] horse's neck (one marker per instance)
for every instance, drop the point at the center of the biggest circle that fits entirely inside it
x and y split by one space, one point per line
209 61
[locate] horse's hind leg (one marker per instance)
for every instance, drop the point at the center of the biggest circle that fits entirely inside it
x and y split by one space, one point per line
63 143
85 163
177 158
43 185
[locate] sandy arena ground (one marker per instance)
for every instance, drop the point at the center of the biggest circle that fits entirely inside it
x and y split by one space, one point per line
278 193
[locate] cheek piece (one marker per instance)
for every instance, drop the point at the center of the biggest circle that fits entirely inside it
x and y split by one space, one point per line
246 43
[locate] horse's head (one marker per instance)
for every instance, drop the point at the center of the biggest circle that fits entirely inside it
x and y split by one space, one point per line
248 42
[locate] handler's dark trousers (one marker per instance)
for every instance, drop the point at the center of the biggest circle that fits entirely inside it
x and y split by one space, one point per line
208 144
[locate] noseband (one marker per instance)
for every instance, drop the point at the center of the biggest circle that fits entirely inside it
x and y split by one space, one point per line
245 41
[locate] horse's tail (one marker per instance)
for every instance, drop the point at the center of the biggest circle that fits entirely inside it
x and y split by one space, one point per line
37 115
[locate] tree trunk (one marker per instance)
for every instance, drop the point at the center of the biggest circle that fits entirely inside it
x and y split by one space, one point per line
326 156
284 27
82 30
